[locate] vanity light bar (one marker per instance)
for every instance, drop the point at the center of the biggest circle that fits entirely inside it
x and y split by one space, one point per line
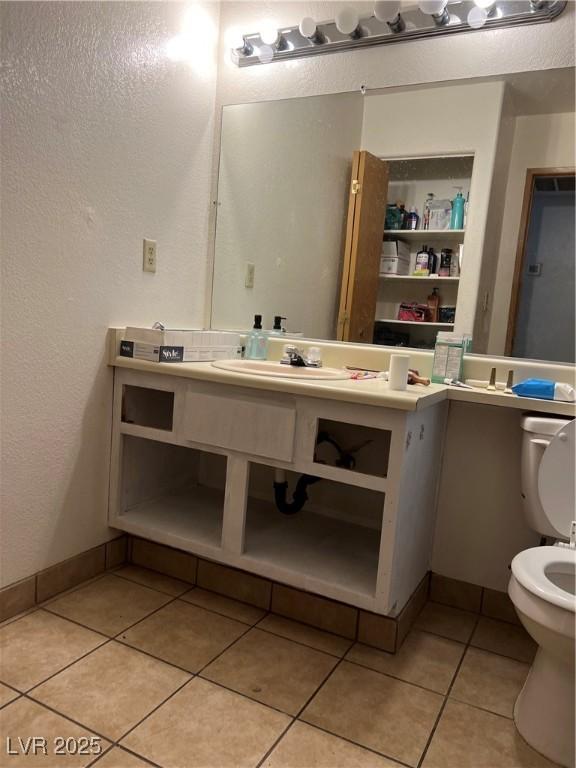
412 24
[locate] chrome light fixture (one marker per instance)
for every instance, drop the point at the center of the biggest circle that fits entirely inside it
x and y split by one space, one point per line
387 25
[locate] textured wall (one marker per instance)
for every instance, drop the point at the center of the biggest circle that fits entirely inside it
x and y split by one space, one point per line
285 172
104 141
494 52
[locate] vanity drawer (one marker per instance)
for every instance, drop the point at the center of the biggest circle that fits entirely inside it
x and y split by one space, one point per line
242 423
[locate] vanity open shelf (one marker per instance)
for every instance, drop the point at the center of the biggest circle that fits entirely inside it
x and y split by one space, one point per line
194 464
331 546
174 491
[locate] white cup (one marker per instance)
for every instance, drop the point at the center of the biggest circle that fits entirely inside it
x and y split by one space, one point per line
398 373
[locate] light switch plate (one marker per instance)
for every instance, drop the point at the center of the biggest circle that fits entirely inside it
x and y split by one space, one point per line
249 275
149 256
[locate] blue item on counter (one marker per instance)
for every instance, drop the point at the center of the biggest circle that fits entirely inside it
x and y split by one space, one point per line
540 388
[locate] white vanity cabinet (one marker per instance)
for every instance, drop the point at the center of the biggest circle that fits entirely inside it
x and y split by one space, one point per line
193 467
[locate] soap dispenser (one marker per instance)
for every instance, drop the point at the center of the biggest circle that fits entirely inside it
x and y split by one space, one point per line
257 341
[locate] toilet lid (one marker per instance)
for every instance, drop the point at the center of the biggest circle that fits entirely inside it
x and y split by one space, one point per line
556 480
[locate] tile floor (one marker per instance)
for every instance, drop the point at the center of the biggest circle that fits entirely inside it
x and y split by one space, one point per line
156 673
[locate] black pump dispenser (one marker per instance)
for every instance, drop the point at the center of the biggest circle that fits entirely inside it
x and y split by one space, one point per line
278 322
257 322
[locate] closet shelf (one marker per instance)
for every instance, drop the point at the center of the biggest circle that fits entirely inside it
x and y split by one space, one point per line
422 234
421 278
414 322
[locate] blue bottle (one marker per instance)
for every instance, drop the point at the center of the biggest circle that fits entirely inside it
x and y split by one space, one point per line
257 341
457 217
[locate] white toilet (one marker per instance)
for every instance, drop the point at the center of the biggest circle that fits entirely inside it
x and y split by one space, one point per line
542 587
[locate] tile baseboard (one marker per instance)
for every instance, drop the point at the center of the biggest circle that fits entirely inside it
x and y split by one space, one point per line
33 590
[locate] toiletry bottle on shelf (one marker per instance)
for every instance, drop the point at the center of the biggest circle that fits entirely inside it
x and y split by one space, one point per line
426 211
412 219
257 342
433 302
466 204
403 214
432 262
446 256
457 217
421 266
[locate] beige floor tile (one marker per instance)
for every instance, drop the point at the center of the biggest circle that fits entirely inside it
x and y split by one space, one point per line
502 637
184 635
40 644
234 609
272 670
376 711
490 681
301 633
6 695
448 622
111 689
153 580
467 737
109 604
24 718
423 659
304 746
119 758
222 729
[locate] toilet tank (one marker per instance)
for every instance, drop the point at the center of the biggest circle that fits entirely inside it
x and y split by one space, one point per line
538 432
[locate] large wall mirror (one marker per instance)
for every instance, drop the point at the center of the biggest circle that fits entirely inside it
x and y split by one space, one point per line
387 216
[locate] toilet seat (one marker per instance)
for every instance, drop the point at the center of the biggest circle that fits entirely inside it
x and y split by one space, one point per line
529 569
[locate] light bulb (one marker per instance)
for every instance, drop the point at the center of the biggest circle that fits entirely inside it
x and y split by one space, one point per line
484 3
386 10
432 7
265 54
347 21
477 17
307 27
269 34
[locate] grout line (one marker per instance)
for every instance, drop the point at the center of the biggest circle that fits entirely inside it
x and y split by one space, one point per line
67 717
300 642
446 697
355 743
148 714
394 677
276 743
146 586
80 658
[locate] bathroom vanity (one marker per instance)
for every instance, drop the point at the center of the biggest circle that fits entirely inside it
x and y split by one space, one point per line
194 455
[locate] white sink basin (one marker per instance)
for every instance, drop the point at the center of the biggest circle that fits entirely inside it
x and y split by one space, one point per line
271 368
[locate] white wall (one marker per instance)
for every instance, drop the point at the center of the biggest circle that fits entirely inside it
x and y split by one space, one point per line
104 141
282 198
412 124
480 524
540 141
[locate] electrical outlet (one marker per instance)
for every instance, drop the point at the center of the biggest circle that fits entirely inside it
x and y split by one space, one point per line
249 275
149 256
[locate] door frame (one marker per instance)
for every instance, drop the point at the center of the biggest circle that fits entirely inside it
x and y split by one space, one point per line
531 175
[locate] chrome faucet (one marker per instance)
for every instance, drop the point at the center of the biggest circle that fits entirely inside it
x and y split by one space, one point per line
298 358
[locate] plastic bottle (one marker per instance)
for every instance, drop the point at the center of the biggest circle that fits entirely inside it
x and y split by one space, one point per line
457 218
257 341
412 219
432 262
421 266
433 302
426 211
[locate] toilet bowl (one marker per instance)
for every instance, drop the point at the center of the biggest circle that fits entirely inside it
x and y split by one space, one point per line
543 589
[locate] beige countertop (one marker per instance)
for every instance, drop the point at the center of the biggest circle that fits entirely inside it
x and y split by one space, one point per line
364 392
